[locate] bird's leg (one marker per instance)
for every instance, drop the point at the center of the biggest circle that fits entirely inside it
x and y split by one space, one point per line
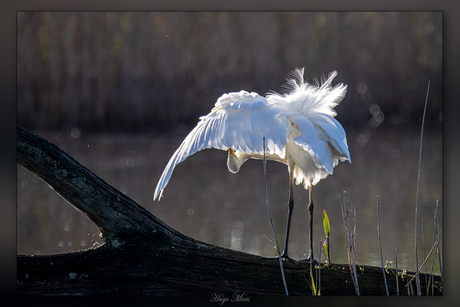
290 209
310 210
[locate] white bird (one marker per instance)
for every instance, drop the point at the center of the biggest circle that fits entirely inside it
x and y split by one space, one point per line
298 126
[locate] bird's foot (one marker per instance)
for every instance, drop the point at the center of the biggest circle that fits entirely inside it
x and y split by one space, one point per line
284 256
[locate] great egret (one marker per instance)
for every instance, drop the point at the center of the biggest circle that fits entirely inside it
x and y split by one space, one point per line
299 129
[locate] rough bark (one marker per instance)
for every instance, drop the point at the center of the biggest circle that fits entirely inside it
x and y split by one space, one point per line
141 255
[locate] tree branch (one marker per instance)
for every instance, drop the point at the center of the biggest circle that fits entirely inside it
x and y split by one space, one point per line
141 255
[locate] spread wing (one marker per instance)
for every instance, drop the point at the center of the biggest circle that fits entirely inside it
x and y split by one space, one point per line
239 121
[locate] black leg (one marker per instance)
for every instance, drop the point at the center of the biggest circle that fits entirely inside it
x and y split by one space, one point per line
310 211
290 209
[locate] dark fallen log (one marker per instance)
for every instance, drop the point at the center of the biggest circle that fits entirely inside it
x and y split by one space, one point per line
141 255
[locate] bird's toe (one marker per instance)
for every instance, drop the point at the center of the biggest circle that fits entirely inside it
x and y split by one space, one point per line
285 257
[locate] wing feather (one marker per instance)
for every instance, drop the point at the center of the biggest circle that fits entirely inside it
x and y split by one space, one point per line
335 134
307 129
238 121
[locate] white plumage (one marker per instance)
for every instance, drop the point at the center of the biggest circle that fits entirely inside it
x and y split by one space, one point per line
300 123
299 129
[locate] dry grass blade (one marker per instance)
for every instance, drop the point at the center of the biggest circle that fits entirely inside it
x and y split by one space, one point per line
313 286
436 251
433 248
380 244
417 279
431 279
350 243
439 235
271 224
423 250
396 273
319 266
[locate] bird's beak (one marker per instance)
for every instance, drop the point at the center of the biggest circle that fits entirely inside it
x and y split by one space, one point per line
232 152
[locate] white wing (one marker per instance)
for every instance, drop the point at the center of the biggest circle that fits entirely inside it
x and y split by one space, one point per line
334 133
311 108
239 121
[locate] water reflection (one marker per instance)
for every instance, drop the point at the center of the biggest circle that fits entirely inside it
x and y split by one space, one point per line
236 241
205 201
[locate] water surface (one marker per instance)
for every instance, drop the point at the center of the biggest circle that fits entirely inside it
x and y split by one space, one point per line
207 202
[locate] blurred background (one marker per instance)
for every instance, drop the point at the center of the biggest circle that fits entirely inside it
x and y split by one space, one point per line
120 91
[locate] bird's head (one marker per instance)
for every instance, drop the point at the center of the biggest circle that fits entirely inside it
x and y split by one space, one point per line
233 163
